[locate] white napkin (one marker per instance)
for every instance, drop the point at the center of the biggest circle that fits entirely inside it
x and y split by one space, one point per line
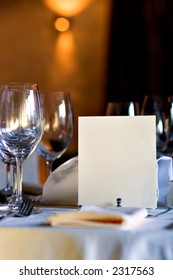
96 216
61 187
164 175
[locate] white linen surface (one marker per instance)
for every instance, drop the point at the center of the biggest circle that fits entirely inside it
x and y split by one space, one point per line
61 186
149 241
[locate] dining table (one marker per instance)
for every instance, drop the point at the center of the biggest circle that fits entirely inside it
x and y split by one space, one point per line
31 238
34 238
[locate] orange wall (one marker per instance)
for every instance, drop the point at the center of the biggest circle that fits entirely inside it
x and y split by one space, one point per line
32 51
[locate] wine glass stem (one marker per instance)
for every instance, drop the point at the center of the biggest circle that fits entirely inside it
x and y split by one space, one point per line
7 187
12 201
19 172
14 179
49 165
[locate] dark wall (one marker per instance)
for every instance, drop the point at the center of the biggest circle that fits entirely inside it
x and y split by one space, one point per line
140 57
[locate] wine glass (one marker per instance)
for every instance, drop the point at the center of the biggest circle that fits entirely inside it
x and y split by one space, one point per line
157 105
127 108
58 126
21 125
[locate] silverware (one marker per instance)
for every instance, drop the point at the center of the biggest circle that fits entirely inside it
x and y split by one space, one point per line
24 210
162 211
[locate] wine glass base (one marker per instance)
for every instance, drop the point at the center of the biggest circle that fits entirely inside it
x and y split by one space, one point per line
15 202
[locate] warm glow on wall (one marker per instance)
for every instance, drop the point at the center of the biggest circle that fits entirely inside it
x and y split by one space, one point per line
67 8
65 52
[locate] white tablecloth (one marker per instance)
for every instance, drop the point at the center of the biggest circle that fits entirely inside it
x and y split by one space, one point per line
26 238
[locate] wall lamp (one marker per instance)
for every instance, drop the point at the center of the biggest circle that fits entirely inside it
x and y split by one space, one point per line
66 9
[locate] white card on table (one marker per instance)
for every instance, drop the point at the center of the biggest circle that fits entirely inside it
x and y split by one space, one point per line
117 159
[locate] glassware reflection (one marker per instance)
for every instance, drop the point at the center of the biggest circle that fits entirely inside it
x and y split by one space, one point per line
130 108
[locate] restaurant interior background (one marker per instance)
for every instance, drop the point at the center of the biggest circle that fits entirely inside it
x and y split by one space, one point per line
113 50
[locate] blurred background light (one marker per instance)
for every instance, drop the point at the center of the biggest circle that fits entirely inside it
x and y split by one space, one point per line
67 8
62 24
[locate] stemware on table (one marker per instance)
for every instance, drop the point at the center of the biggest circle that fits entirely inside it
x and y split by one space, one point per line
158 105
126 108
58 126
21 125
169 125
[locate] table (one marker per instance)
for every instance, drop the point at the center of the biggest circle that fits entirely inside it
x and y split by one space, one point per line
27 239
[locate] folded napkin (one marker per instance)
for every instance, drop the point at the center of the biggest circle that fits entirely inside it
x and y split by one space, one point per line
32 189
96 216
61 187
164 175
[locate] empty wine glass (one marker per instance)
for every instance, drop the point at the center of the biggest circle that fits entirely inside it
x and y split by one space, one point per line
21 125
58 126
157 105
129 108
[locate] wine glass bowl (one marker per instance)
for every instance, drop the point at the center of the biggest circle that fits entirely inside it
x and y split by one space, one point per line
58 126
